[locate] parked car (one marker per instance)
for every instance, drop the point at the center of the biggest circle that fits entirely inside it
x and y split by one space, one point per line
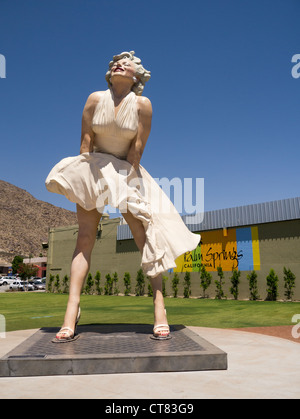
21 286
17 285
28 286
7 280
38 285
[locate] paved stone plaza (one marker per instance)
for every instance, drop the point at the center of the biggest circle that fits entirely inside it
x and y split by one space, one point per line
259 366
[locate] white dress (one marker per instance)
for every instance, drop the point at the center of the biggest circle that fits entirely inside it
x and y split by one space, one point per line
104 177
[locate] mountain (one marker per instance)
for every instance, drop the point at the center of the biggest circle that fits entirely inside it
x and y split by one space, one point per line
25 221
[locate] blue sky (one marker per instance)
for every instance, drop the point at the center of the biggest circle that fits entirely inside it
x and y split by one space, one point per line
225 104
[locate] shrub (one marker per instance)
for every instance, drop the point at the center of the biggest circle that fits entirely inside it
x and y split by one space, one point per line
150 290
89 284
272 286
57 284
115 280
252 278
140 283
205 279
97 279
65 284
175 282
51 279
127 283
289 283
219 284
164 280
187 286
108 287
235 280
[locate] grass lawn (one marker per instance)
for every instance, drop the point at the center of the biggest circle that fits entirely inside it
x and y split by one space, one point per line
35 310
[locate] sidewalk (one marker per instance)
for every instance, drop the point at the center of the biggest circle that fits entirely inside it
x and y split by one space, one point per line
259 366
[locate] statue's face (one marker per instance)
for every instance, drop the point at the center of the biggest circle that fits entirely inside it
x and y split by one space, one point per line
123 68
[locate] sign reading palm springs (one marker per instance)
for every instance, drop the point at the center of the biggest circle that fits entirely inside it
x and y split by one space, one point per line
236 248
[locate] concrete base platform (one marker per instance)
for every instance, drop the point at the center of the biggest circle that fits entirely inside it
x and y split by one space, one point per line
111 349
259 367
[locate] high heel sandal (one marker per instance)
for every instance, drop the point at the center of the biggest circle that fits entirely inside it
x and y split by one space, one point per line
72 335
161 331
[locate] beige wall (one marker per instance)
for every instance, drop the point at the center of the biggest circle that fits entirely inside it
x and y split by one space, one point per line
279 245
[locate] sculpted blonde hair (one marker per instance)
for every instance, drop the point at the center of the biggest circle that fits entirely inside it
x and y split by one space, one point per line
142 74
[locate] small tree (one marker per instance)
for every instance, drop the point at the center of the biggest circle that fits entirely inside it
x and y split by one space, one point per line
65 284
252 278
57 283
17 260
187 286
127 283
289 283
97 279
27 270
150 290
272 286
140 283
108 285
164 280
205 279
51 279
219 284
235 280
175 282
115 280
89 284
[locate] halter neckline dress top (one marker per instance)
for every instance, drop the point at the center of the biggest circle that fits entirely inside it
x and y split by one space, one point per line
104 177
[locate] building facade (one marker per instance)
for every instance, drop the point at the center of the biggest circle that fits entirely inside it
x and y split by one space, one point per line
250 238
40 263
